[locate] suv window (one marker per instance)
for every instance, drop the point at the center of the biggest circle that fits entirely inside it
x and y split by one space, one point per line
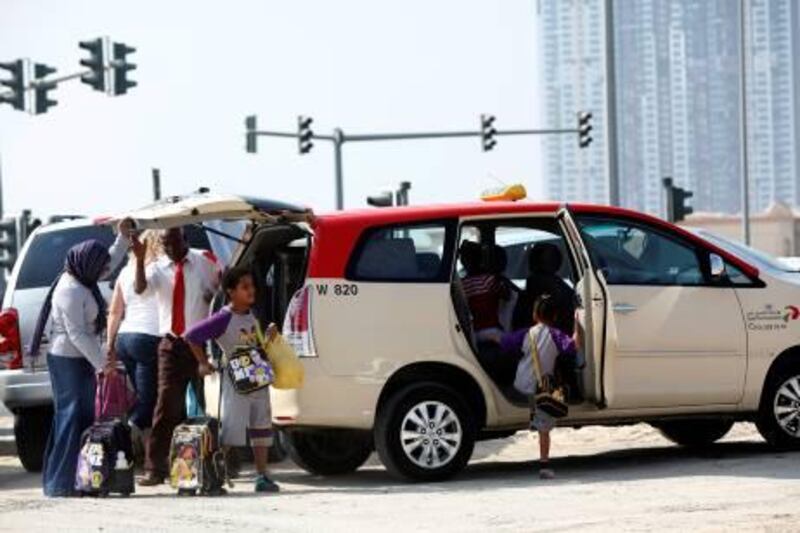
45 256
629 253
417 252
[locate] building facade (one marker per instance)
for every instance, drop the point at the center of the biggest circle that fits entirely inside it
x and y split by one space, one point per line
677 70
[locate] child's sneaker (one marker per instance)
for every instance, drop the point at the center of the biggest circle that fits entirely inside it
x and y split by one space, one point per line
265 484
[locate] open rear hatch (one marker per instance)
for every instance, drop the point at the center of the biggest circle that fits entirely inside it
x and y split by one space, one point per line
205 207
275 247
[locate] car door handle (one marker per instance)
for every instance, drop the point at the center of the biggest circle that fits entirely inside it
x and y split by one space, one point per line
624 308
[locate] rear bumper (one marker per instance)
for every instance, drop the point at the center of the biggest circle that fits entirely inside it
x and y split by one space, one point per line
23 388
327 401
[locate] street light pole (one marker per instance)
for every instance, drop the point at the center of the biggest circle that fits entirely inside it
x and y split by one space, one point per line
611 107
743 156
338 140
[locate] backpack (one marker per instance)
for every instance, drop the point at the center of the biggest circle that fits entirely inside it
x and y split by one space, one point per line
249 369
197 463
105 460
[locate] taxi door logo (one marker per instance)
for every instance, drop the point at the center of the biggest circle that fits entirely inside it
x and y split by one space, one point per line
791 312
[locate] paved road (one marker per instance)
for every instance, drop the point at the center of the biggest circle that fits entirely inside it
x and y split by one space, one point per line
608 479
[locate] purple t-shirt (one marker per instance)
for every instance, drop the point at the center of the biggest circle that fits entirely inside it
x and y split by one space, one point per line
513 341
228 328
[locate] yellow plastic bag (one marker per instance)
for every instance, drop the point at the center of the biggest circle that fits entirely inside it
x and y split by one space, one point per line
289 371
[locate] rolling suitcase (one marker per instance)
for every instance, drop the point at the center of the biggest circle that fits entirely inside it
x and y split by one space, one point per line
105 461
197 464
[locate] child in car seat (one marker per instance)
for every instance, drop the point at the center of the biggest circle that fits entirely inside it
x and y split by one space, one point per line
550 342
234 328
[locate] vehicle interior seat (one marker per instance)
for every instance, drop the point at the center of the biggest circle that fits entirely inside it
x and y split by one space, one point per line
428 264
388 259
544 262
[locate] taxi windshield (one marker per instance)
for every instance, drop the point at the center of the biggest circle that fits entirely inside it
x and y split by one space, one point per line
748 253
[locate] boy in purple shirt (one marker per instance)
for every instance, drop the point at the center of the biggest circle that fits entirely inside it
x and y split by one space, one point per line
232 328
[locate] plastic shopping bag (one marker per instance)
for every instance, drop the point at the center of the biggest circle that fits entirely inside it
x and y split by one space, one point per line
115 395
289 371
193 407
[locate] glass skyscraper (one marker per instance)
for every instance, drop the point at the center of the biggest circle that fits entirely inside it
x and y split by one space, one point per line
677 70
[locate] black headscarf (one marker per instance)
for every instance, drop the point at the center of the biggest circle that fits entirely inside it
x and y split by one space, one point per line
85 262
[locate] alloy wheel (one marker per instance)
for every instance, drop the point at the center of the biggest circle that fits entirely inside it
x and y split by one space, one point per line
431 434
786 406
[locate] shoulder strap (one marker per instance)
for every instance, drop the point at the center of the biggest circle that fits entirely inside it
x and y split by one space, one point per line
537 365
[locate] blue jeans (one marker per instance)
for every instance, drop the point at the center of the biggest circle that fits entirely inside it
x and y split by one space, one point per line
73 382
139 353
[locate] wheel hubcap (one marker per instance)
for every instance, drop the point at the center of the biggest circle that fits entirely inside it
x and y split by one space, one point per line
430 434
787 406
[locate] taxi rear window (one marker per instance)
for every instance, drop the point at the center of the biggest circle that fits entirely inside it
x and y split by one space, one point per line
420 252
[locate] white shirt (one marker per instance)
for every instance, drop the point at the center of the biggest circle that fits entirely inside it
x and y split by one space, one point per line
201 275
526 378
141 310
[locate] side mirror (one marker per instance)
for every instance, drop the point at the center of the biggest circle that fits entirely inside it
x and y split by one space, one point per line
716 266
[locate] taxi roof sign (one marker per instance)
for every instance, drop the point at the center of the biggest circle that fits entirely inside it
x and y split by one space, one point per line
506 193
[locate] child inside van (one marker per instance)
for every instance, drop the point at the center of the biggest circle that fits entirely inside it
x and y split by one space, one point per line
484 291
550 343
233 328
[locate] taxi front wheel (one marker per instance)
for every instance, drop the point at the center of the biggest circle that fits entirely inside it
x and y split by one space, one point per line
694 433
779 413
329 452
425 432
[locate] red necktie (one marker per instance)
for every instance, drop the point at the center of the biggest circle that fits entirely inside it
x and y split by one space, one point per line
179 301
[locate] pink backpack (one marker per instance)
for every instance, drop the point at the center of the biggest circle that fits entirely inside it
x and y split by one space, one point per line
114 396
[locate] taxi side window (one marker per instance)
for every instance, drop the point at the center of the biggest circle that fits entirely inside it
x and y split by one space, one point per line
410 253
633 254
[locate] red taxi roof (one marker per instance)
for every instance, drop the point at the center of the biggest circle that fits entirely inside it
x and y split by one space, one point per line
337 232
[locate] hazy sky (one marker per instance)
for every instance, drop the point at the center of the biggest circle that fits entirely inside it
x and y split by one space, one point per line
364 65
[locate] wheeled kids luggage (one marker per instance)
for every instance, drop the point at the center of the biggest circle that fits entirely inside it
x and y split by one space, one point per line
197 464
105 461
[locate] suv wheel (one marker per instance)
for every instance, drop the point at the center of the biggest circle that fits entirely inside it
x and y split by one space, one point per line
329 452
694 433
779 414
31 430
425 432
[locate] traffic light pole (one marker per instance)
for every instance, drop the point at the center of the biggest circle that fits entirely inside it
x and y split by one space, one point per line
338 138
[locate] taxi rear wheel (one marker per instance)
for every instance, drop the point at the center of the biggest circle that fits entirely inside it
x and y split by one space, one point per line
425 432
779 414
329 452
694 433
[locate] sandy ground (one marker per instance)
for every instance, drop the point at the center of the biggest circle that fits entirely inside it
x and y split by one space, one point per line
608 479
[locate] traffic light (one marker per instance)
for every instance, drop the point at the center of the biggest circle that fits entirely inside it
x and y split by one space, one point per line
250 134
677 208
584 129
304 134
26 226
120 68
96 62
488 132
16 83
8 242
41 100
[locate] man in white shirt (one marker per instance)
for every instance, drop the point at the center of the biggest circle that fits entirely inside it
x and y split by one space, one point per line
184 282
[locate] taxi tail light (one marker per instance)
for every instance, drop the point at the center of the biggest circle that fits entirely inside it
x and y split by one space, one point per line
10 345
297 325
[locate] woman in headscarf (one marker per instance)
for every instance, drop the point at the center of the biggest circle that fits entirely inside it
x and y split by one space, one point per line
75 354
